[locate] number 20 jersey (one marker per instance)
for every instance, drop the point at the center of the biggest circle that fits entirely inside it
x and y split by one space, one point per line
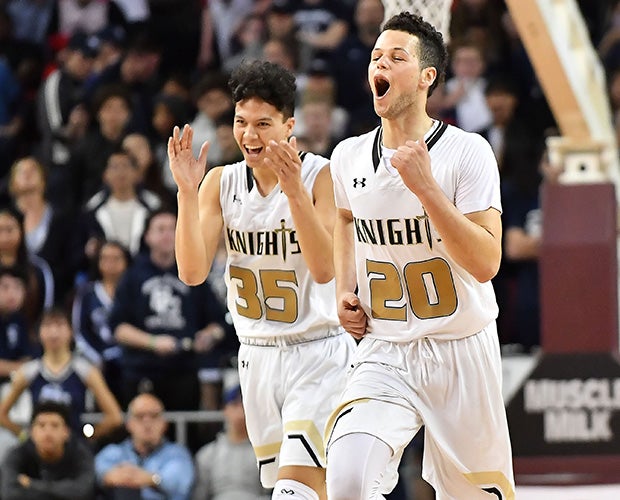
270 289
409 286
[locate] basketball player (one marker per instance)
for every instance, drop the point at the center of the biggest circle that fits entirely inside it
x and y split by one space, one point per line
277 211
416 242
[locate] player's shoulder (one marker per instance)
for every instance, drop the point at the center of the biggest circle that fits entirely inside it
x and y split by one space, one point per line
457 135
353 143
309 159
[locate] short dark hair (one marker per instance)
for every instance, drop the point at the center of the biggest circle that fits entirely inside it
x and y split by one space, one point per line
267 81
48 406
432 49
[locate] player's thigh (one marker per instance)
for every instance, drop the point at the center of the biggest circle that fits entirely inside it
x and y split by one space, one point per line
467 445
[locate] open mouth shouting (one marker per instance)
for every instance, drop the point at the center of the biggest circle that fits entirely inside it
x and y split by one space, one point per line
253 151
382 86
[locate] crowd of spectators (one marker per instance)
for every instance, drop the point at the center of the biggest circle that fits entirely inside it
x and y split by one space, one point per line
90 91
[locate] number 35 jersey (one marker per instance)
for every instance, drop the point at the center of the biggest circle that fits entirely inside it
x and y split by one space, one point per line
270 289
409 286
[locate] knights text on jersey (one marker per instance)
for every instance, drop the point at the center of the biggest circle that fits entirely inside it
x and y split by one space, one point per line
409 285
270 289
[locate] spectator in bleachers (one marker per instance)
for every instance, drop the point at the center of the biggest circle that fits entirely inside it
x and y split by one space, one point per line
159 321
62 376
52 463
90 310
15 348
464 91
522 233
111 40
11 120
319 127
480 22
320 26
47 227
87 16
32 19
216 479
63 116
516 142
145 465
169 110
139 72
119 211
280 25
112 112
221 19
349 67
225 139
14 253
247 41
149 170
212 98
278 51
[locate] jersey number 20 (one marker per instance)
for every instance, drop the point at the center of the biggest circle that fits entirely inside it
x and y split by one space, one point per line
429 285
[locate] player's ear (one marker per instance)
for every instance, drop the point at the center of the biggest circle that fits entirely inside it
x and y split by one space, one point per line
428 76
290 123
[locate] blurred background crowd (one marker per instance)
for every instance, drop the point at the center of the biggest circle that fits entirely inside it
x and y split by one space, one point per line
90 91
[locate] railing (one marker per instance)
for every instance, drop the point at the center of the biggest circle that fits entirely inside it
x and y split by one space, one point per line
179 419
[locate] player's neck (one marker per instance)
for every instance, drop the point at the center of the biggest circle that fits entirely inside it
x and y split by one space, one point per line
399 130
265 180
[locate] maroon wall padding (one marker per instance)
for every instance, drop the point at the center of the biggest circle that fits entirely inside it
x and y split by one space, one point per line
579 269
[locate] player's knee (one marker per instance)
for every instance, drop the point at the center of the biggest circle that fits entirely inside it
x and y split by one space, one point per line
292 490
355 467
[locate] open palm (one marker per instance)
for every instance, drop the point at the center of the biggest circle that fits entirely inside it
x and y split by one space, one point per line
187 171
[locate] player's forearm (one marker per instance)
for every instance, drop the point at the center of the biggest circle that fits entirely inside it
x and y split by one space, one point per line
472 246
344 254
191 254
314 239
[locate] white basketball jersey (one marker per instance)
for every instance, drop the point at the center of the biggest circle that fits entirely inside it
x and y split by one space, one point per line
270 289
409 285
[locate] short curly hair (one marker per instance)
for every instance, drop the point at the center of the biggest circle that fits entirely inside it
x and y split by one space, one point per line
267 81
432 49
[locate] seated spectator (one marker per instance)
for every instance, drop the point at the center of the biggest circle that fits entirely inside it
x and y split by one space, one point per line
225 138
316 116
15 348
46 227
63 117
212 99
112 111
149 170
162 323
145 465
60 375
51 463
118 212
14 253
91 308
464 92
169 110
215 478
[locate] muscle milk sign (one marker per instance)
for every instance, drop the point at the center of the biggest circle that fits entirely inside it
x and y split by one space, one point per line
569 404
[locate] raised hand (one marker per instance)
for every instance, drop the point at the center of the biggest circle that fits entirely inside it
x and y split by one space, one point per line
187 171
282 158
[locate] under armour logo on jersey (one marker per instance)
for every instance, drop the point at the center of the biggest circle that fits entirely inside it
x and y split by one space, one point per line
236 199
287 492
359 182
